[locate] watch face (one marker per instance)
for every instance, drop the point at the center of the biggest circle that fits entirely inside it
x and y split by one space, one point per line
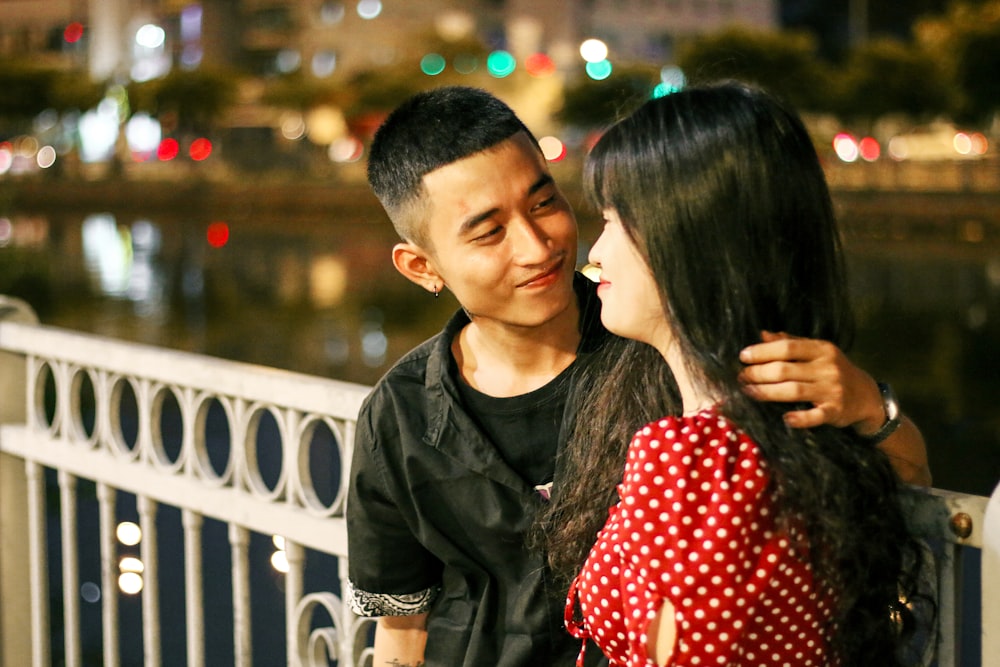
889 401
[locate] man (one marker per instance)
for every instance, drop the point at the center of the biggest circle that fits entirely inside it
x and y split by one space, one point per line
455 447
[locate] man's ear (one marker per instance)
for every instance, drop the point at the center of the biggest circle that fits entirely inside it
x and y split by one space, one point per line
416 264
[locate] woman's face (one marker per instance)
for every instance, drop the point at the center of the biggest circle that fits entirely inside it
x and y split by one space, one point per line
630 302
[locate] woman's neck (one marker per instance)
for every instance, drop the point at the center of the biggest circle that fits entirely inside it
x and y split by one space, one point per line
694 397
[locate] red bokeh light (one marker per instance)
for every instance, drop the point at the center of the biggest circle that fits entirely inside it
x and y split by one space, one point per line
539 64
217 234
869 149
200 149
168 150
73 32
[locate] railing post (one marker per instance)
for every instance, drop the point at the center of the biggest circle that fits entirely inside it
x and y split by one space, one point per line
15 624
990 582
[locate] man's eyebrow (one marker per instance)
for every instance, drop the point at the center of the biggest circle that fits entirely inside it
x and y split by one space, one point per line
470 223
543 180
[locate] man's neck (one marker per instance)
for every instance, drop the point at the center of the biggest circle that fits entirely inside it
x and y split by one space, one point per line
503 360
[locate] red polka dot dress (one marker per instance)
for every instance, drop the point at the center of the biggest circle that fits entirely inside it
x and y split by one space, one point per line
695 526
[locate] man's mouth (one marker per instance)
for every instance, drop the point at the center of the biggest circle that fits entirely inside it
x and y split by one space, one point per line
544 277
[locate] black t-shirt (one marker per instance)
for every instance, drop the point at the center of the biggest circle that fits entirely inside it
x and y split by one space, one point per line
437 513
525 428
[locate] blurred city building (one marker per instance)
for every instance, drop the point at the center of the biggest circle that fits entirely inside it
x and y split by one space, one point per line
119 39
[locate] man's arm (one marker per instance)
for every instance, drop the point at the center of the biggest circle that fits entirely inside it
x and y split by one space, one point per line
400 641
788 369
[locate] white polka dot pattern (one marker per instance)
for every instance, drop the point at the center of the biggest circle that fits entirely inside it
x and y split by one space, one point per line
695 526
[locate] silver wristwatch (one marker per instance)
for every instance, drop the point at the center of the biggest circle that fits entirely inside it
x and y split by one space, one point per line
892 414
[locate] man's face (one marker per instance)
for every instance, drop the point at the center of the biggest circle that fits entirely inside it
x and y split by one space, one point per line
502 237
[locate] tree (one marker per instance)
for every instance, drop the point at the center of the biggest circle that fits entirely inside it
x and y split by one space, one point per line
29 89
301 93
966 41
592 104
785 63
886 76
197 99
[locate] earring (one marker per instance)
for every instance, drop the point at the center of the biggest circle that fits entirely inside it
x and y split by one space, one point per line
437 292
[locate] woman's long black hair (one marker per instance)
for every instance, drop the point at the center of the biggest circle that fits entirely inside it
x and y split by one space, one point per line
721 190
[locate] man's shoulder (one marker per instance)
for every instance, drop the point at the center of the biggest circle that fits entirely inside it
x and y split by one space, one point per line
400 399
408 374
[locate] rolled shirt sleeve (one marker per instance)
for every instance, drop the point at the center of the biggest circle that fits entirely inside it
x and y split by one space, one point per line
390 573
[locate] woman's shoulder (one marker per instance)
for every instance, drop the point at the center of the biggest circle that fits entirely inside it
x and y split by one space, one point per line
704 446
707 428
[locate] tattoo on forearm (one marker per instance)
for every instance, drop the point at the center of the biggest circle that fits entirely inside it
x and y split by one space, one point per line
396 663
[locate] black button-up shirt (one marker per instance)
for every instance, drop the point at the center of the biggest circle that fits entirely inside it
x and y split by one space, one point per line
437 519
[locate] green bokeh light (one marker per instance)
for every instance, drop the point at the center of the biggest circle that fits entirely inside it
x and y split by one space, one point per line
501 64
432 64
599 70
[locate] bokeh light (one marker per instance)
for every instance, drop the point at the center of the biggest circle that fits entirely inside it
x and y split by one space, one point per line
217 234
980 144
553 149
6 231
331 12
672 80
200 149
500 64
673 76
73 32
325 124
846 148
432 64
599 71
90 592
293 126
539 64
129 533
869 149
453 25
466 63
348 149
143 135
324 63
899 148
369 9
168 149
131 564
130 583
46 157
279 561
150 36
6 157
98 129
592 272
593 50
26 146
288 61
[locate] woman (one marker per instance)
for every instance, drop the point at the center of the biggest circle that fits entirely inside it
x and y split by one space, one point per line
736 540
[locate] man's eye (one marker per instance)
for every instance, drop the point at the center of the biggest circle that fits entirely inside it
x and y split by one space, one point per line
546 202
492 232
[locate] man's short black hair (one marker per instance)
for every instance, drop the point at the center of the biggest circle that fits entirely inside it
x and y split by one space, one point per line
430 130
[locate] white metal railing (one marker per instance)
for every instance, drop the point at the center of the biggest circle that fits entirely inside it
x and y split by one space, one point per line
38 434
46 376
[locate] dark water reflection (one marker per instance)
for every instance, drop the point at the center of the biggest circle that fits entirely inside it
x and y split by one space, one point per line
319 296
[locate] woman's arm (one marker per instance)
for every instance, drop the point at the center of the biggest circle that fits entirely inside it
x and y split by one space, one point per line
661 636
